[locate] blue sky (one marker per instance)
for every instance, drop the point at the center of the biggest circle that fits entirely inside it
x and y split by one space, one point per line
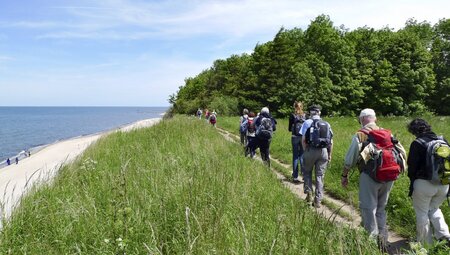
137 53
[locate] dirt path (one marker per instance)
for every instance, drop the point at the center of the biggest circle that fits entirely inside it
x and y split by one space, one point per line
397 243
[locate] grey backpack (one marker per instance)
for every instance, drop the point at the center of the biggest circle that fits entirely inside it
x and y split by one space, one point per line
438 159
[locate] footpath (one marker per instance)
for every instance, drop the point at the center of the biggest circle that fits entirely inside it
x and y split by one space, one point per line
332 209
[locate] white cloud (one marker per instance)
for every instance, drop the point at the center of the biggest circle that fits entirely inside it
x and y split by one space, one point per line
130 74
127 20
5 58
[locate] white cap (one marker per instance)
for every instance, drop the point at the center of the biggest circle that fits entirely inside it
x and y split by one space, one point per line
367 112
265 109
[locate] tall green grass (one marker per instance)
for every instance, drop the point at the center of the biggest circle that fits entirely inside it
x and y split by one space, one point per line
401 217
175 188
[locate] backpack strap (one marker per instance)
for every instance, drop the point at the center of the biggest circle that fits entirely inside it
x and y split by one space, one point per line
364 131
422 142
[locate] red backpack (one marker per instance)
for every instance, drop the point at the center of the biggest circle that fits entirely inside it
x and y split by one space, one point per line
384 162
251 125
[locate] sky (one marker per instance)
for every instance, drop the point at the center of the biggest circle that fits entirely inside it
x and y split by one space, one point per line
137 53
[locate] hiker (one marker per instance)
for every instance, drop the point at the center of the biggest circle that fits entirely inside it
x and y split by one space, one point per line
242 127
8 162
265 126
295 125
427 192
374 186
207 114
251 145
199 113
213 118
317 141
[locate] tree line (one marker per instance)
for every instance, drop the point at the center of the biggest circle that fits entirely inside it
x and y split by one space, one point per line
402 72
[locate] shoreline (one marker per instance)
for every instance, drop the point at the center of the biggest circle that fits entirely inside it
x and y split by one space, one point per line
43 165
35 149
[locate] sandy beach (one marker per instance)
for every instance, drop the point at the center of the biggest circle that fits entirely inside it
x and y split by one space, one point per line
17 179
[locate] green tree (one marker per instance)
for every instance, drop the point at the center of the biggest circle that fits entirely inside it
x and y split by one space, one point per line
328 43
440 100
411 64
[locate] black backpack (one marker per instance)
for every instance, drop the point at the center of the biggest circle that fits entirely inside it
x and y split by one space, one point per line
297 126
265 129
319 134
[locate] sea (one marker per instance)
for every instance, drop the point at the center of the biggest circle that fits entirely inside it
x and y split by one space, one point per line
26 130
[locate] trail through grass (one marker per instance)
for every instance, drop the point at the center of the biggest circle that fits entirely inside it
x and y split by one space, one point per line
401 217
175 188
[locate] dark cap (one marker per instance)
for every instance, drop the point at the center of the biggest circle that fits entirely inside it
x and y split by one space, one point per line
315 107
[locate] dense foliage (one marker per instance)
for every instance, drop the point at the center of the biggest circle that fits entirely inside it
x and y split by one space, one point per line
400 72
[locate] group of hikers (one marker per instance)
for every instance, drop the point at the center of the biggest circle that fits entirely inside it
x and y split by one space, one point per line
256 132
377 154
210 117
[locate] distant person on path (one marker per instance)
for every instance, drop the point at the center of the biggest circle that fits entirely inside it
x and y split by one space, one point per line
8 162
317 141
213 119
242 127
252 144
265 125
17 160
374 188
199 113
427 193
296 121
207 113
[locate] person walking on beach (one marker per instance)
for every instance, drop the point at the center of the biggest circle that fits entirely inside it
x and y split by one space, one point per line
242 127
250 147
8 162
317 141
17 160
265 126
296 121
374 186
427 192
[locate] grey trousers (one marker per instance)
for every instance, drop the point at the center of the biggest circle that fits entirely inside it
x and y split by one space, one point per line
373 197
427 197
316 158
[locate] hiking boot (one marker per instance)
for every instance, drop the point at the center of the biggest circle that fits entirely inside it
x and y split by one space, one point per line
382 245
296 181
446 241
309 197
317 203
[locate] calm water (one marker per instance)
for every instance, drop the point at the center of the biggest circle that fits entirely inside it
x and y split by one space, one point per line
25 128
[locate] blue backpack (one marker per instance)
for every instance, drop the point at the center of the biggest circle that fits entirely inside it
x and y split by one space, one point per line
243 126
